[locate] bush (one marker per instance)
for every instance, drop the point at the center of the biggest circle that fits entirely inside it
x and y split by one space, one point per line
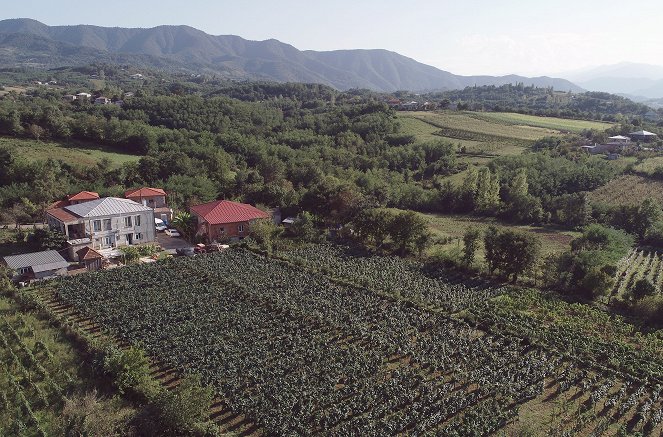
184 410
642 289
130 370
649 309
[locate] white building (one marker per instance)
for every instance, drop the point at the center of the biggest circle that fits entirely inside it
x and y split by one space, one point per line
105 223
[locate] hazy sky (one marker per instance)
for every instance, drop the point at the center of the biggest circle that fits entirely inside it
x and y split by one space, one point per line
462 36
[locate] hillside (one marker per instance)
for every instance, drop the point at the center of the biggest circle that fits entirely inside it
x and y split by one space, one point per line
29 42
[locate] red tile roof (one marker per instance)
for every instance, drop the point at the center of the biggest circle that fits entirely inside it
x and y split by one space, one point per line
58 204
62 215
225 211
84 195
144 192
88 253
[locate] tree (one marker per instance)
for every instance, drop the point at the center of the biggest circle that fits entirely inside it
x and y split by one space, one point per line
372 225
266 234
409 232
36 131
45 239
186 224
509 251
471 241
643 288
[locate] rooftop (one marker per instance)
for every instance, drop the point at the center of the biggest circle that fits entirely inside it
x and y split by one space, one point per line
144 192
105 206
39 261
88 253
84 195
225 211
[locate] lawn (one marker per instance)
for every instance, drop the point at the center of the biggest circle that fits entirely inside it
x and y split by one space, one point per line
71 152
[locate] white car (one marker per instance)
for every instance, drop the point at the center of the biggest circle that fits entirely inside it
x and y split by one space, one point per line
172 232
159 225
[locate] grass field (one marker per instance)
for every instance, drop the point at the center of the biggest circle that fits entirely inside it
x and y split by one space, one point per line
628 190
71 152
553 240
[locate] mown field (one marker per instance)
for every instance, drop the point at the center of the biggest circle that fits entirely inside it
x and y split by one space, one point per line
44 390
73 152
553 239
557 124
390 347
628 190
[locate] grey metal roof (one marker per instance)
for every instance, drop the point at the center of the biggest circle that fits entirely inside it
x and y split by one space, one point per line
106 206
39 261
643 133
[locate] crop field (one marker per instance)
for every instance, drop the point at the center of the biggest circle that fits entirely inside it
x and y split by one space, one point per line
484 135
649 165
74 153
553 240
628 190
558 124
326 341
40 370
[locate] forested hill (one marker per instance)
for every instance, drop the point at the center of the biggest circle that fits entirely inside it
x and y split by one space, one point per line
541 101
183 47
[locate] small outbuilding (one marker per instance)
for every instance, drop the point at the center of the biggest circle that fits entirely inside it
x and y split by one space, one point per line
91 258
36 265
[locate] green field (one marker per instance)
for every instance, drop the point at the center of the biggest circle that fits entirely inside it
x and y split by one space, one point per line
649 165
453 227
71 152
481 136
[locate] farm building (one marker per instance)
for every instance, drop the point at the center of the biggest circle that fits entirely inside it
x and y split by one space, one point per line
36 265
223 219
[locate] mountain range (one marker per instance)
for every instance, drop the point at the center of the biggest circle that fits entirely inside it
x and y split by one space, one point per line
26 42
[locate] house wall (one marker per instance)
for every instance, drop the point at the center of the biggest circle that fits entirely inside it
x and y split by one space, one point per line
49 273
223 231
151 201
119 232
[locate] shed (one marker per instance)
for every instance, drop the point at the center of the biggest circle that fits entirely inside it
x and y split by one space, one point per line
90 257
643 135
37 265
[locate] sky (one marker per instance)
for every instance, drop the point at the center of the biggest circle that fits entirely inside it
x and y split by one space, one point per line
467 37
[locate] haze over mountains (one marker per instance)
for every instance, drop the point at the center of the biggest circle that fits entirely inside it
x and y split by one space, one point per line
26 42
637 81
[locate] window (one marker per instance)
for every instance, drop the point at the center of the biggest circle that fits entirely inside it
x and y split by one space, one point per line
139 236
96 225
107 225
240 228
108 241
137 220
24 270
127 222
222 231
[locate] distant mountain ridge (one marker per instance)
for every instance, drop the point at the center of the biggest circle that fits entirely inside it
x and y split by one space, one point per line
29 42
640 81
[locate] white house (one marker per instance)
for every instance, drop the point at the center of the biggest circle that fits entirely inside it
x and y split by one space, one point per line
105 223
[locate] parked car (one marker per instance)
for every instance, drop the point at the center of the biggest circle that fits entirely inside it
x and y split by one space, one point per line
185 251
159 225
172 232
200 248
216 247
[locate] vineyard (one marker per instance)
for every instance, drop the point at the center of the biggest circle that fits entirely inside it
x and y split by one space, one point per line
638 264
328 342
39 372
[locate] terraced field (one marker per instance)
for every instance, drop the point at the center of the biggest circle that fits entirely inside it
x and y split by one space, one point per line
328 341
